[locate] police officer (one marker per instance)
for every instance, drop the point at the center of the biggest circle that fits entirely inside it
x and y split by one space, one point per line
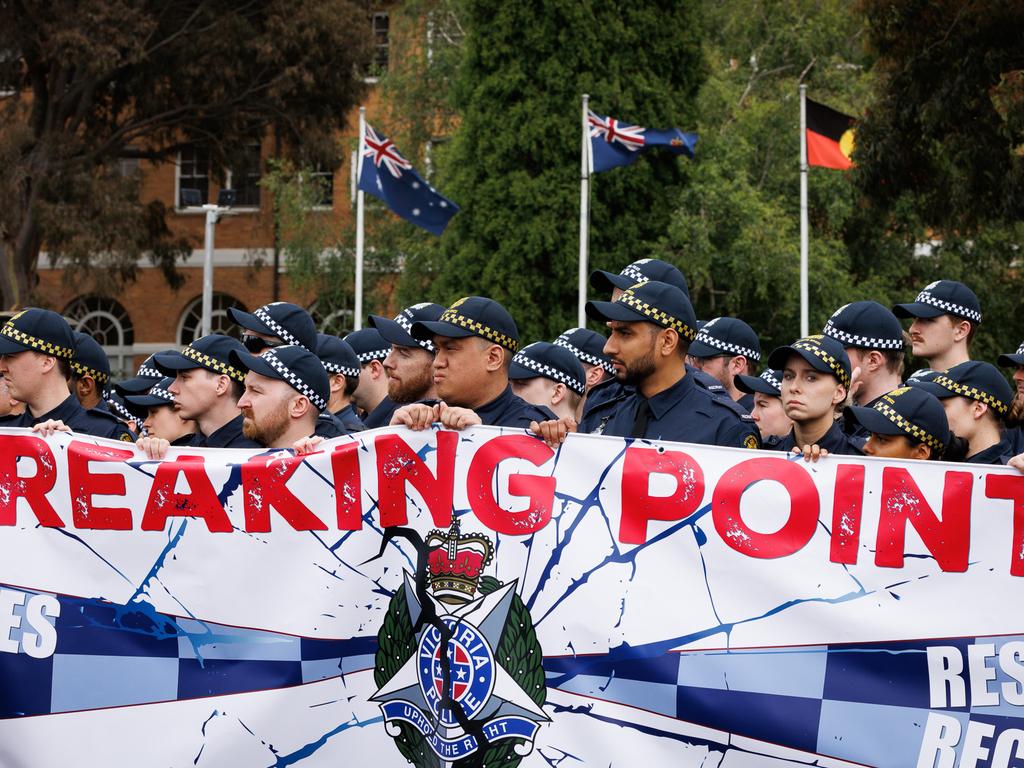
90 371
946 316
588 348
206 388
726 347
342 366
652 326
275 324
639 271
544 374
475 339
815 383
36 350
874 341
286 389
1015 418
977 399
155 411
145 378
371 396
410 363
768 413
907 423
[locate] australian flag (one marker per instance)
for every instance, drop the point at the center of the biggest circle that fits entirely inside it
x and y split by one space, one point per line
614 143
385 174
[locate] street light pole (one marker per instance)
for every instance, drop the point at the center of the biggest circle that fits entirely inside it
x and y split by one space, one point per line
212 214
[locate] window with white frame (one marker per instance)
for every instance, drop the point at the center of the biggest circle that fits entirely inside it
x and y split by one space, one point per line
107 321
194 172
190 327
381 27
245 177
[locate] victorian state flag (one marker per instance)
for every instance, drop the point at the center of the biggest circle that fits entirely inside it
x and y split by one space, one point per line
829 137
614 143
385 174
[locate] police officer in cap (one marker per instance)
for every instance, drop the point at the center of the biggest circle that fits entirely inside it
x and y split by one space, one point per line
946 316
652 326
1015 418
275 324
146 377
475 339
206 388
725 348
410 363
36 350
286 389
155 411
768 413
544 374
588 347
977 400
907 423
371 396
815 384
90 371
342 366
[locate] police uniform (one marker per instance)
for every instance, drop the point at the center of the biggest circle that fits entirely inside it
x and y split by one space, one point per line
909 412
381 415
943 297
683 412
1015 435
369 345
46 332
825 355
145 377
213 353
983 382
159 396
546 360
727 337
338 357
486 318
769 383
638 272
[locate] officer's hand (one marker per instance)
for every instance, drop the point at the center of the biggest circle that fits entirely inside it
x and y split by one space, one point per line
154 447
812 452
457 418
50 426
416 416
554 431
1017 462
307 445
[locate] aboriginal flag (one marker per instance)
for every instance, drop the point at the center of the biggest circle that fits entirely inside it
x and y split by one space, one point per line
829 137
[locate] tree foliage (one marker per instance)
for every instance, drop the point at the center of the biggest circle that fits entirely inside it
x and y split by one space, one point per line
95 81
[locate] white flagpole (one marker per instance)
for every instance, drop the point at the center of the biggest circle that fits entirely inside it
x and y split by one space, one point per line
360 244
581 318
804 298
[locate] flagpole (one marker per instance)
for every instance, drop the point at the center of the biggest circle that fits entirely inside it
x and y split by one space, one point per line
360 244
804 298
581 315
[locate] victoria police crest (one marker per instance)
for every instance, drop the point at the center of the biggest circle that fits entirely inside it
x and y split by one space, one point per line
458 667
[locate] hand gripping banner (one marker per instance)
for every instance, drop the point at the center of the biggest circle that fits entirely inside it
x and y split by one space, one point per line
477 599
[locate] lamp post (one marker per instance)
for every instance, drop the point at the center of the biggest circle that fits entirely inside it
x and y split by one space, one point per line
192 200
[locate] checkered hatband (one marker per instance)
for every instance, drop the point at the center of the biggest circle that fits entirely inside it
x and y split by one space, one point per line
454 317
297 384
925 297
656 315
973 393
279 330
549 372
212 363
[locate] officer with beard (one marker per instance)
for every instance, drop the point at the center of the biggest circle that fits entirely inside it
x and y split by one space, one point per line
410 363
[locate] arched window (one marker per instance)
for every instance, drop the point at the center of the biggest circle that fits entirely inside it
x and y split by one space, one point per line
337 322
108 322
190 327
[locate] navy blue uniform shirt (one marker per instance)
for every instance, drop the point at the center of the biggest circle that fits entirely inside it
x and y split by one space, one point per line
508 410
228 436
685 412
95 422
349 419
834 441
1000 453
610 389
381 415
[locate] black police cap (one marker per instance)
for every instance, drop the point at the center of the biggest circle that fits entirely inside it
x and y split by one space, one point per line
90 359
293 364
212 352
399 330
1012 359
39 330
145 377
822 353
768 383
640 271
544 359
337 355
587 346
865 325
159 394
651 302
943 297
907 411
726 336
975 380
472 316
368 344
286 321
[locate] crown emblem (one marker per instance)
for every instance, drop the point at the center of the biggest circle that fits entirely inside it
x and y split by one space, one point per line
456 563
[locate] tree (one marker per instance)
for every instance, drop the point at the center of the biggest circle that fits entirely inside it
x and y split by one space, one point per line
513 164
96 81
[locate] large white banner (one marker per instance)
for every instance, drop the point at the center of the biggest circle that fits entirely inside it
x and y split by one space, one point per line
477 599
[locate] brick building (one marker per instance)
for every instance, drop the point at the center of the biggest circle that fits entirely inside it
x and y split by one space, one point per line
148 315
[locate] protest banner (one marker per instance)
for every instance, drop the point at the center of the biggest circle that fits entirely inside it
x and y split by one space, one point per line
477 598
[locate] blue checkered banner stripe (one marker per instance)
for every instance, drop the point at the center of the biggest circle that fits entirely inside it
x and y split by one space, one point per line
477 598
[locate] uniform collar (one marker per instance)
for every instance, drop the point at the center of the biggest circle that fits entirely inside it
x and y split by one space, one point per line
490 412
63 412
994 454
665 400
223 436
